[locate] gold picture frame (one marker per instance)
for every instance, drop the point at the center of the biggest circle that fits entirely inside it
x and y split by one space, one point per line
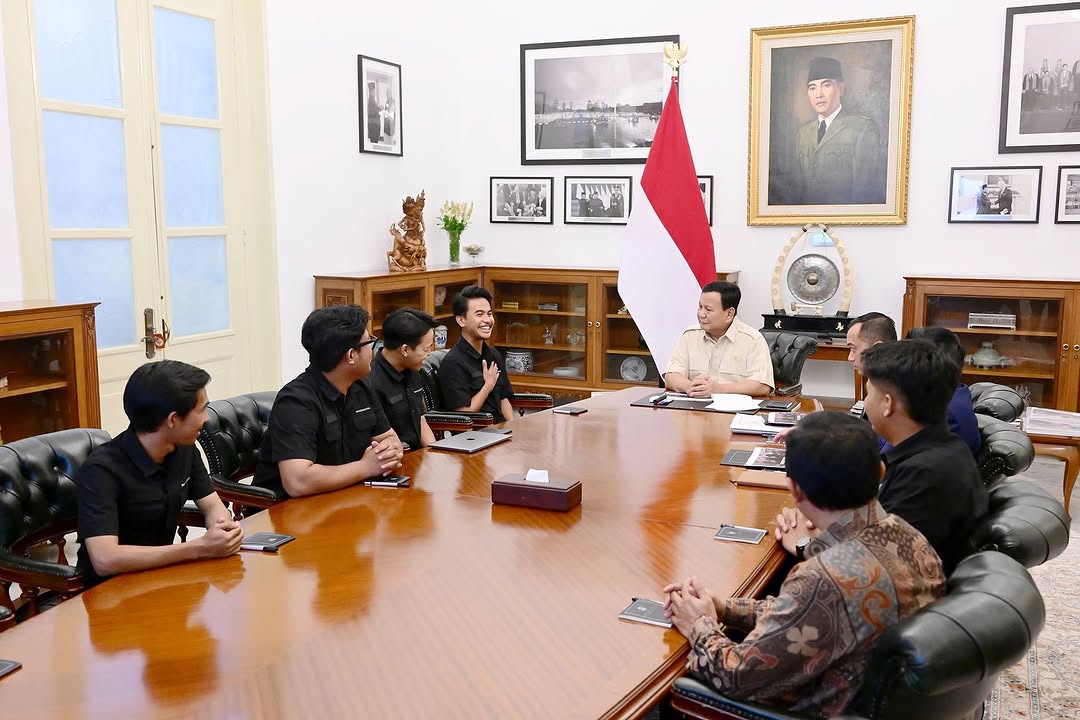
854 171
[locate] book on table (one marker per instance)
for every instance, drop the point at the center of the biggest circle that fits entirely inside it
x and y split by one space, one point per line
769 458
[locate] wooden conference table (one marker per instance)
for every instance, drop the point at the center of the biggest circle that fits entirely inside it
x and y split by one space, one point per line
426 602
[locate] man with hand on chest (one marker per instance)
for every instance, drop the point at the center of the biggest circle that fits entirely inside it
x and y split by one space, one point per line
473 375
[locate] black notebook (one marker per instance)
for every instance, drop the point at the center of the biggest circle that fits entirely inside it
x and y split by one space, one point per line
266 541
645 611
769 458
779 405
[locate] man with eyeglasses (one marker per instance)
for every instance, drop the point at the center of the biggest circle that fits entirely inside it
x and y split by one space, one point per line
327 430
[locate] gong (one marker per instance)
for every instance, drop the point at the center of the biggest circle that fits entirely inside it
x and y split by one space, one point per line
813 279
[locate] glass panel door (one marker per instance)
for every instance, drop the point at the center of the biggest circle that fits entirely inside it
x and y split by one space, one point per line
626 357
542 328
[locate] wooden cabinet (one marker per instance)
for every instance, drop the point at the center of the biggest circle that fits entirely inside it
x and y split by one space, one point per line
48 355
560 329
430 291
1029 328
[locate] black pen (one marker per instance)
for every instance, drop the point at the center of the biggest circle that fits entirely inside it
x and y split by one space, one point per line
263 548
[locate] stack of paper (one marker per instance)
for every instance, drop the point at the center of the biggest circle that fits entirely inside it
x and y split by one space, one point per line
1058 423
730 402
752 425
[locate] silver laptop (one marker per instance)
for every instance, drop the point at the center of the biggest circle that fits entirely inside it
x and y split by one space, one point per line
469 442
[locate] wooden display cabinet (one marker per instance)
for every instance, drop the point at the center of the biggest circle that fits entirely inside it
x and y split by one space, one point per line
431 291
48 353
1040 355
578 342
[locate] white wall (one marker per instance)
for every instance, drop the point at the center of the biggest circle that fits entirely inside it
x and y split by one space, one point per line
10 267
461 125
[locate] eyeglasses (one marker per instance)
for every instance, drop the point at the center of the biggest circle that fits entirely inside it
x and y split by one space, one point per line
370 341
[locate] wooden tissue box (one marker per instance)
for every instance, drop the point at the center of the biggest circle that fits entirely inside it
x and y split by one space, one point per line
556 494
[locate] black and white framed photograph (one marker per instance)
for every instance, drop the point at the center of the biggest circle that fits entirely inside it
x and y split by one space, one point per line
522 200
995 194
704 183
1067 208
593 101
597 200
1040 84
380 106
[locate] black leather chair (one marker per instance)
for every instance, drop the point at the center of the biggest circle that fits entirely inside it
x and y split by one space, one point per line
940 663
1006 449
789 352
1024 522
38 506
439 416
7 619
998 401
230 439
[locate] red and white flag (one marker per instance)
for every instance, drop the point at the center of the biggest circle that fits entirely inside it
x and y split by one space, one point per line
668 249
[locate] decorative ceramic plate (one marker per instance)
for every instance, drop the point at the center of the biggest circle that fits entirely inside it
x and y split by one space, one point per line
633 369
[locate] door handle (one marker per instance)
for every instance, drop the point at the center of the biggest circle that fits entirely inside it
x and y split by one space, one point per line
153 340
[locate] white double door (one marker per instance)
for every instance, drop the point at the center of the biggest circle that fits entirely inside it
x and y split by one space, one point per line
142 209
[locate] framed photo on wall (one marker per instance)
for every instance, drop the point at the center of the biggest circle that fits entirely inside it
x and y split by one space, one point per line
830 122
597 200
995 194
594 101
380 106
704 183
525 200
1067 208
1040 83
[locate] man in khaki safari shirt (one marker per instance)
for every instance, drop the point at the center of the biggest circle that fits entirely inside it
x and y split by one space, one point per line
723 354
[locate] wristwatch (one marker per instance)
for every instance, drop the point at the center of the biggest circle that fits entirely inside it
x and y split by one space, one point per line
800 547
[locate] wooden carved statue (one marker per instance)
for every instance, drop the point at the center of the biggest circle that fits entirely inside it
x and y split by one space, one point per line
409 253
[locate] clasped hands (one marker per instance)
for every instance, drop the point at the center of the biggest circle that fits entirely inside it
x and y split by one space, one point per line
387 453
792 525
686 602
701 386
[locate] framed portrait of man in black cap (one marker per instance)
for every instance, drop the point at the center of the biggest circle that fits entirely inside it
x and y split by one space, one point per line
830 118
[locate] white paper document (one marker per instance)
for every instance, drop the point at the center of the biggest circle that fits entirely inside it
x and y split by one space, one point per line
752 425
730 402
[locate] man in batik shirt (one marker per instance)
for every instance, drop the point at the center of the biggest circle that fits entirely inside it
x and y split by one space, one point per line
808 647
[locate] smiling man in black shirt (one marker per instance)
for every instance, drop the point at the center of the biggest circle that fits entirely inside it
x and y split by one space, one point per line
327 430
131 489
473 375
408 338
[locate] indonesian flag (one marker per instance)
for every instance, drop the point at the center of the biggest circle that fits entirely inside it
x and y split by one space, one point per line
668 249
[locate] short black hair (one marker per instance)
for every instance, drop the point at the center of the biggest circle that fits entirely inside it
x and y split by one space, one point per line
916 371
157 389
876 327
946 341
406 326
833 457
329 332
730 294
461 300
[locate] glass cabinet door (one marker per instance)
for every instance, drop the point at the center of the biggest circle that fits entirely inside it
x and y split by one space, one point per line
37 385
443 291
383 302
1012 341
625 356
541 327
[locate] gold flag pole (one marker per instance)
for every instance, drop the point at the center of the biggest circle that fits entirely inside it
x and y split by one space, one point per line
674 56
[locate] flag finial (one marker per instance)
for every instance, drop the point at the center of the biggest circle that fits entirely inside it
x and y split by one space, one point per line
674 56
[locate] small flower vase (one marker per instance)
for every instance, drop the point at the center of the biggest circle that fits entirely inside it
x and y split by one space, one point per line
455 247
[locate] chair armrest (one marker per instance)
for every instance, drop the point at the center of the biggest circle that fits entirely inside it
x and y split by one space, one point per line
440 421
787 390
244 494
40 574
7 619
532 400
700 701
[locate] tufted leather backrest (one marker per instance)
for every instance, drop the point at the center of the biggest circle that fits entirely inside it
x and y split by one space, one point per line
943 661
999 401
37 485
233 433
1006 449
789 352
429 379
1023 522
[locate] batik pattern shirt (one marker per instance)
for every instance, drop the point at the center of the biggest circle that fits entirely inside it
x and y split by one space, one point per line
807 648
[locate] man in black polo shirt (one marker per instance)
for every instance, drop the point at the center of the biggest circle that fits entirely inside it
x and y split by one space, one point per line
473 375
931 479
408 338
131 489
327 430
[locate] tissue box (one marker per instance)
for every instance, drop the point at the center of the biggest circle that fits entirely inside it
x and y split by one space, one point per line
556 494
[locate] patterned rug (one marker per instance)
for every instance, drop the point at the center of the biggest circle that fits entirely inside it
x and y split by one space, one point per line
1046 684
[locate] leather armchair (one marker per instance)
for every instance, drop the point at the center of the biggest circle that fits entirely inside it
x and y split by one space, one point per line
1023 522
1006 449
789 352
37 506
230 439
941 663
441 419
999 401
7 619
